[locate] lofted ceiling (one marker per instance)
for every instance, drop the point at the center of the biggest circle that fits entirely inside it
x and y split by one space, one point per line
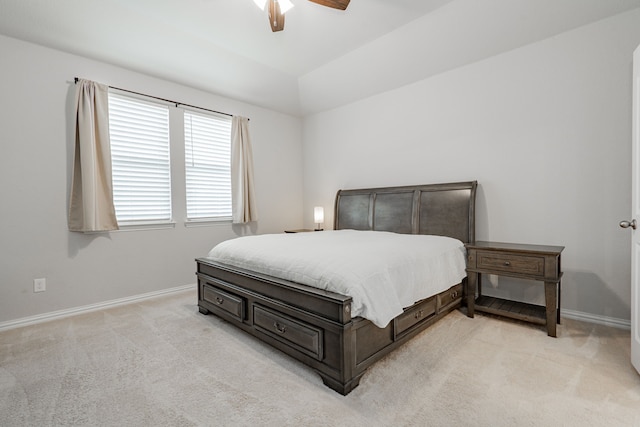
324 57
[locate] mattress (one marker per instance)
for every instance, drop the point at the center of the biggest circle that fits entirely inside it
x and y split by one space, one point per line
382 272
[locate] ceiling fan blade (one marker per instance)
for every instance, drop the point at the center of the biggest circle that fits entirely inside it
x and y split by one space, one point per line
336 4
276 18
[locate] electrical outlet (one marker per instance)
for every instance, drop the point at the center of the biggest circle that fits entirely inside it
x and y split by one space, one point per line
39 285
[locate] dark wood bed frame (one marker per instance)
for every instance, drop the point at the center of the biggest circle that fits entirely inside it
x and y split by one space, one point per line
315 326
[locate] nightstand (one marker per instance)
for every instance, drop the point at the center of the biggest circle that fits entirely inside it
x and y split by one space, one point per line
530 262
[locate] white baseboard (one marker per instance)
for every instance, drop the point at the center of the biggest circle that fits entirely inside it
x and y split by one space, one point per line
32 320
600 320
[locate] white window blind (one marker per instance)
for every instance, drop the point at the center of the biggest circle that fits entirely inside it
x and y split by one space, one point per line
139 133
207 140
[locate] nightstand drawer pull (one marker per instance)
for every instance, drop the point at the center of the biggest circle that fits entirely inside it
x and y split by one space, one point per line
418 314
507 263
219 300
454 294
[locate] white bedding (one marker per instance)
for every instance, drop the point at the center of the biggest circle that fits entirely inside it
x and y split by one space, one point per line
383 272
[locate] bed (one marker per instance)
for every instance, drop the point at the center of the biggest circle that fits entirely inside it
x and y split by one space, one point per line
316 326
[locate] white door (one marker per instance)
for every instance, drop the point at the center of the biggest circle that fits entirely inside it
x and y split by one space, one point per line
635 212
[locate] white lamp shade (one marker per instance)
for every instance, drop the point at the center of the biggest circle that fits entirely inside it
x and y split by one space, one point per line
318 214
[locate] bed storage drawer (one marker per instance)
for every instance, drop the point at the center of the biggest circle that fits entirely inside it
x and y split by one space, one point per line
305 338
231 304
449 297
415 315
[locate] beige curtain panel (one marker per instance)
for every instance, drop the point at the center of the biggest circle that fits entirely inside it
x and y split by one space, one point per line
242 188
91 206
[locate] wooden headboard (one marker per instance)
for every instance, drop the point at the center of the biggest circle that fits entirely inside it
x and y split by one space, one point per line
440 209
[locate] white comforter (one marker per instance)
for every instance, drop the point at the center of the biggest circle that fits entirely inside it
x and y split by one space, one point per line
382 272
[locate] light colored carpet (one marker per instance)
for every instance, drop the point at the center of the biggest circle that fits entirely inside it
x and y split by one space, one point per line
160 362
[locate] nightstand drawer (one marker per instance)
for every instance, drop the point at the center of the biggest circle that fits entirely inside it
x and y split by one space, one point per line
510 263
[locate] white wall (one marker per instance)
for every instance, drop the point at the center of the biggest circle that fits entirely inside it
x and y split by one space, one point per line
546 131
36 137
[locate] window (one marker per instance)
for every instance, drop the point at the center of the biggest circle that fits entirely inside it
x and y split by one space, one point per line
207 165
140 153
139 133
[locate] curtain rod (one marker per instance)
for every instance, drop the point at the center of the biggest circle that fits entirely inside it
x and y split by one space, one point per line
164 99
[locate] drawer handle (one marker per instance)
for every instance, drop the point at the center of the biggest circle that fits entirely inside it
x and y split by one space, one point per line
454 294
507 263
418 314
219 300
280 328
